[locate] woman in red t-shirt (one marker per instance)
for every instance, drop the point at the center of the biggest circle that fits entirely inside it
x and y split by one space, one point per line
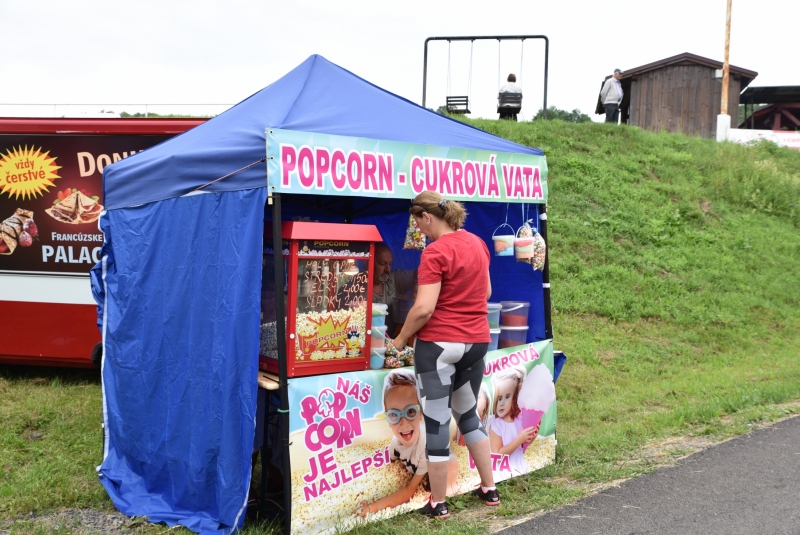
449 319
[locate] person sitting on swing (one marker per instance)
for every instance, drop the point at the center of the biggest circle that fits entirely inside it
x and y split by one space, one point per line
509 110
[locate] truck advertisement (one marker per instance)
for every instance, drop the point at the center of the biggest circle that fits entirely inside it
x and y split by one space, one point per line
51 197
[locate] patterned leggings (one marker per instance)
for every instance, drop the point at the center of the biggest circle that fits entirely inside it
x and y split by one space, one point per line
448 380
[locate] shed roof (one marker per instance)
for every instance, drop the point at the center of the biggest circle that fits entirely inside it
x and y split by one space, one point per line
780 94
691 59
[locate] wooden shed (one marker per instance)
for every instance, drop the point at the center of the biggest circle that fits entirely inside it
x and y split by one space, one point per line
681 94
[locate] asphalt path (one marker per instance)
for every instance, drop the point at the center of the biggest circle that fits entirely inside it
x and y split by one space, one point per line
748 485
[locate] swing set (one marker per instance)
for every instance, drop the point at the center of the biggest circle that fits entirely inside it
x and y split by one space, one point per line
460 104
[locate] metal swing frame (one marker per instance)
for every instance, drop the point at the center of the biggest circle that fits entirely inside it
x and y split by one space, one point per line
479 38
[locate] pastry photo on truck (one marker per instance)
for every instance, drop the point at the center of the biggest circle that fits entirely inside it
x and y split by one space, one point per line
51 196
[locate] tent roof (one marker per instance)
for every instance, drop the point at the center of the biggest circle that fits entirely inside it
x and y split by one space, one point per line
317 96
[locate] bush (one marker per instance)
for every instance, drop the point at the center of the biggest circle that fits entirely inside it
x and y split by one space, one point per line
574 116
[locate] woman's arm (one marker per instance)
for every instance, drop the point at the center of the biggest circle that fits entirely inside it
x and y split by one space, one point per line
394 499
420 313
488 286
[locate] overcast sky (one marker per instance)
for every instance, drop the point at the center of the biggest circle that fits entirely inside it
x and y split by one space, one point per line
219 52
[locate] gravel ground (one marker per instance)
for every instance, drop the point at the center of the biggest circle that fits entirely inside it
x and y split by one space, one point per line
73 522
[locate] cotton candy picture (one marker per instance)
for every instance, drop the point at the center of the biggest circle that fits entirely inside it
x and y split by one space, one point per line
535 397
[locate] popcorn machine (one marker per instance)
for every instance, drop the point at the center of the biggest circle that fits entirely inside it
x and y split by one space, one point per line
328 296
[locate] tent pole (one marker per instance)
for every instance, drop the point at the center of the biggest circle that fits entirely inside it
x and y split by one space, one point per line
548 321
280 312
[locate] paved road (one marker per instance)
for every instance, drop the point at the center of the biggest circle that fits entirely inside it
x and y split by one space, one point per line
749 485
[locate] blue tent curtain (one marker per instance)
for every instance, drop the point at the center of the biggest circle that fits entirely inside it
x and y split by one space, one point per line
181 333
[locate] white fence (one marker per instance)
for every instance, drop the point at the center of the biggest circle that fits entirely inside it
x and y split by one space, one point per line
779 137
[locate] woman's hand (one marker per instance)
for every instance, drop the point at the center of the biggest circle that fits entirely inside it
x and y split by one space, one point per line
399 343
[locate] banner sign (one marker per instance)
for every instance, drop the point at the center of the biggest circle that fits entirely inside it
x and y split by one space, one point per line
347 457
323 164
51 195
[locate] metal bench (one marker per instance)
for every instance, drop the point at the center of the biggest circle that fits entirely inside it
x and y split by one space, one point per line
458 105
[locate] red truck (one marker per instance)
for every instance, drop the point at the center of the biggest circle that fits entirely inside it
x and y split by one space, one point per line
51 197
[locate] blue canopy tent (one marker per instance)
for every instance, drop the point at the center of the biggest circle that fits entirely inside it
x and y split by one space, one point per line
179 285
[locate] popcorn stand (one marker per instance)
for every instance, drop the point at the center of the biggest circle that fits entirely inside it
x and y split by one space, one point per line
193 298
339 442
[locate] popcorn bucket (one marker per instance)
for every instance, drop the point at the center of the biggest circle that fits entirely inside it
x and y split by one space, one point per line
523 244
504 240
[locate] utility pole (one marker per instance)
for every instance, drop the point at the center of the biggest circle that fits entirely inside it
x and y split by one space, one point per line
723 119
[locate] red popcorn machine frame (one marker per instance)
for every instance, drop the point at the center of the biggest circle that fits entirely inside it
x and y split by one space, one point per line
328 295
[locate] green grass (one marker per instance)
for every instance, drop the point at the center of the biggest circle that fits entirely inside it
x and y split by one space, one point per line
675 269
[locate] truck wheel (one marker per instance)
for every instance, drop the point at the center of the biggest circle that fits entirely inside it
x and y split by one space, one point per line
97 355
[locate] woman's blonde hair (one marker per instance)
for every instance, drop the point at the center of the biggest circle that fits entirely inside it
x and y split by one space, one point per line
452 212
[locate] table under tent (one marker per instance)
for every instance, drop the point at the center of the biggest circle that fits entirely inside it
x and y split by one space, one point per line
188 275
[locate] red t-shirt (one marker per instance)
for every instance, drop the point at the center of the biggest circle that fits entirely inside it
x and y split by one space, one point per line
460 261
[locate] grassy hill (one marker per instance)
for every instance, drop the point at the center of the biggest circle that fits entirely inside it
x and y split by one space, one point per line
675 270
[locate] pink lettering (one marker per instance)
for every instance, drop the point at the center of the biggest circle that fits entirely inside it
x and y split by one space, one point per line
338 177
344 434
356 469
458 178
483 175
430 179
322 431
508 179
470 179
355 171
537 185
365 464
310 492
308 408
370 167
519 187
288 163
386 172
323 164
327 463
444 177
324 486
342 385
305 167
313 474
417 183
354 421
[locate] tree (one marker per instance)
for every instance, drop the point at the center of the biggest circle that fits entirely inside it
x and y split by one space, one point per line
574 116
